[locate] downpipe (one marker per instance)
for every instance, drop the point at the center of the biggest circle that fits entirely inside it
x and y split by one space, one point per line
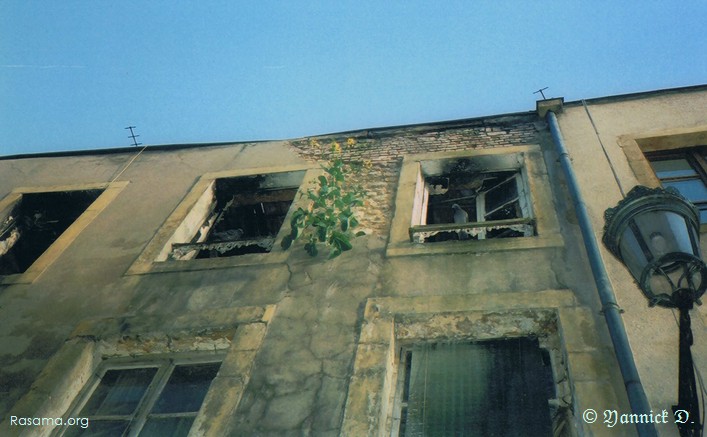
634 389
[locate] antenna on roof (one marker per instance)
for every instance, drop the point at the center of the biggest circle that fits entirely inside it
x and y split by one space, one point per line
541 92
133 136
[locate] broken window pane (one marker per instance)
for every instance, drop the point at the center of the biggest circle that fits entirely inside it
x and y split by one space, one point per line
500 196
244 216
35 222
467 193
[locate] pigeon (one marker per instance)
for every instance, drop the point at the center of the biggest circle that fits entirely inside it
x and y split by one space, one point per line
460 216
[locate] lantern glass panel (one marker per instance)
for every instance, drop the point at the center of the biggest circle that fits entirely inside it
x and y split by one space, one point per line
653 234
665 232
631 253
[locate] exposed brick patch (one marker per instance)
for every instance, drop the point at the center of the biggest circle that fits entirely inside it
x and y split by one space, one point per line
385 150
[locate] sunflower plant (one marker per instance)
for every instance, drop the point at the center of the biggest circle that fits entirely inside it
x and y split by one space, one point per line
330 219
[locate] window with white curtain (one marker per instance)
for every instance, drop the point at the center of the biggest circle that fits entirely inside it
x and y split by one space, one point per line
152 398
490 388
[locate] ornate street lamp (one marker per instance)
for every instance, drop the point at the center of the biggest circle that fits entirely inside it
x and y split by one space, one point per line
654 232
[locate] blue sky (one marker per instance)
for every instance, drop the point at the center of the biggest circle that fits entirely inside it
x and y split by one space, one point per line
73 74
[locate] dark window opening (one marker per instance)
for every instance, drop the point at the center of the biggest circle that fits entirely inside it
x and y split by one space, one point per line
246 213
686 171
35 222
499 388
465 203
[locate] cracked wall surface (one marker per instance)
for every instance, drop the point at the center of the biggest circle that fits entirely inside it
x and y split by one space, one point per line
307 340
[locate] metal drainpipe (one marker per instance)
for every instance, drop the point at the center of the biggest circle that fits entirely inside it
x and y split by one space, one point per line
636 395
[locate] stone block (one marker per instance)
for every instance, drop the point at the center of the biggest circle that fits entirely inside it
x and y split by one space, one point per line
249 336
238 364
590 365
219 405
578 328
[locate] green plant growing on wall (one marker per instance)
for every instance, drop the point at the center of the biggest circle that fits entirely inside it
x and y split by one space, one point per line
330 218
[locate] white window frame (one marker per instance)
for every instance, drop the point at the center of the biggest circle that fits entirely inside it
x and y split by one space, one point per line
420 230
528 158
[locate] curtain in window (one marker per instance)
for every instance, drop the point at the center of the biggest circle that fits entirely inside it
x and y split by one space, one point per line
498 388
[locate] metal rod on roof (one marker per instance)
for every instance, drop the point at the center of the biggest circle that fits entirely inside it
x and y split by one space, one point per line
133 136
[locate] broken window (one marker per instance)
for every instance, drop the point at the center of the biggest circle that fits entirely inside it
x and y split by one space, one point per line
471 199
35 222
500 387
158 398
238 216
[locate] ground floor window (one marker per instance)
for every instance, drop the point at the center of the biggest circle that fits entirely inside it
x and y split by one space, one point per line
161 397
489 388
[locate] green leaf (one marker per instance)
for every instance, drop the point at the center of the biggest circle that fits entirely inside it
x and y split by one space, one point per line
322 181
321 233
344 224
311 249
334 253
286 242
353 222
360 234
342 240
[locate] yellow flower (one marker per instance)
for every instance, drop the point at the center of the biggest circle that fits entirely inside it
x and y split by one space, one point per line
350 142
336 147
368 163
315 144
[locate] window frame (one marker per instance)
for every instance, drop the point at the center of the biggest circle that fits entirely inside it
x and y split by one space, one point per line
154 259
695 157
635 147
406 349
165 365
480 225
205 232
237 332
532 166
111 190
552 316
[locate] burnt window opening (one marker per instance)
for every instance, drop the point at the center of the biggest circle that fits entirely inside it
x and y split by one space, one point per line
462 200
477 388
35 222
244 216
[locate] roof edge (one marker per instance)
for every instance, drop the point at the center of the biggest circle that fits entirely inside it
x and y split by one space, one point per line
374 132
638 95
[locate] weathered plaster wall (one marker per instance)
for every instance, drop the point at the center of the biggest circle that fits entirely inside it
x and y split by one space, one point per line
299 382
652 332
